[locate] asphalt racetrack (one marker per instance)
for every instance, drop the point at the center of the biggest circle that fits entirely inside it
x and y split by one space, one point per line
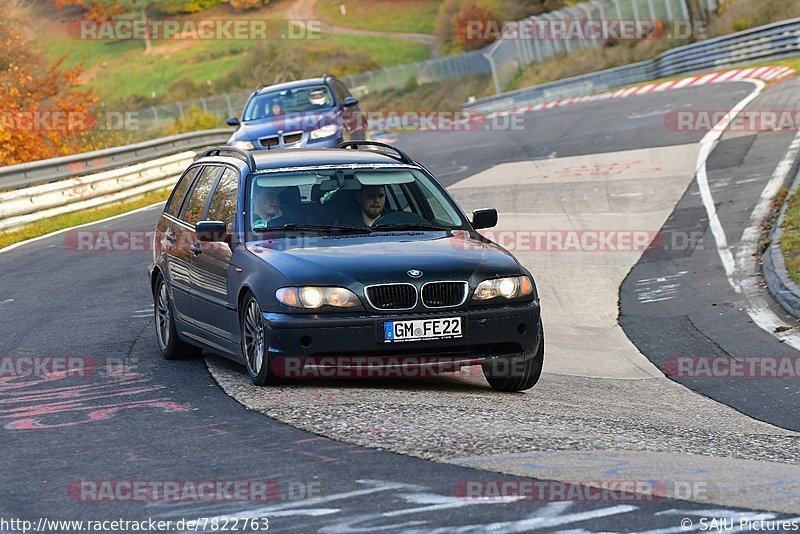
395 455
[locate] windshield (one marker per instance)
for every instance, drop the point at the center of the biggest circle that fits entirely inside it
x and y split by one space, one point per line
277 103
344 199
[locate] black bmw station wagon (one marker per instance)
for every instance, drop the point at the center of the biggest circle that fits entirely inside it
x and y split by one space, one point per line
352 257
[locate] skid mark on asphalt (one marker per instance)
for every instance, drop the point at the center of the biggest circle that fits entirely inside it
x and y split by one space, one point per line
658 289
59 400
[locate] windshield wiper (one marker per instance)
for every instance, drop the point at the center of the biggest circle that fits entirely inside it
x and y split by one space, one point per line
411 226
316 228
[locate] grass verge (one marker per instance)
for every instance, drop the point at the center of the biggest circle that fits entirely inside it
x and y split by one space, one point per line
69 220
790 240
414 16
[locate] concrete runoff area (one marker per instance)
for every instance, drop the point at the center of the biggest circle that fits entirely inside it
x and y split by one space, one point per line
638 425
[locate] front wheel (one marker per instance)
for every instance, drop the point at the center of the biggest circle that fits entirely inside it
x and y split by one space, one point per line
254 344
508 373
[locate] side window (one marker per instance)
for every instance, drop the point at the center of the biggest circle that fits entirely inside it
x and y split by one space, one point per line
193 208
174 202
223 203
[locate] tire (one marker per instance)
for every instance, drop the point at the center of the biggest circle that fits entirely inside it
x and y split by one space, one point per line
255 347
510 374
171 346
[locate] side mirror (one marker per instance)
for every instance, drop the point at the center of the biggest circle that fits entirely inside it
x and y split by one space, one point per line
350 102
484 218
233 121
211 231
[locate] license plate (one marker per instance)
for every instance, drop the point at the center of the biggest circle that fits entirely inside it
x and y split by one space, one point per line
396 331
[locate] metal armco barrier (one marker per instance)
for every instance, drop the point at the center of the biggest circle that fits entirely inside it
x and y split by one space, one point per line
774 41
50 170
25 206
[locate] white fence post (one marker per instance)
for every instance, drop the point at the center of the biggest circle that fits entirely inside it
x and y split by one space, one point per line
668 6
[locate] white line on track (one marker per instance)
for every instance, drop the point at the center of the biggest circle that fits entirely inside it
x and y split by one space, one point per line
51 234
741 276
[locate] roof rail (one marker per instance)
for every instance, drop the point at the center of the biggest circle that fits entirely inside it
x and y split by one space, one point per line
230 151
400 155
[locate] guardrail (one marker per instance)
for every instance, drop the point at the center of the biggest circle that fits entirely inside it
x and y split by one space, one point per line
50 170
25 206
774 41
42 189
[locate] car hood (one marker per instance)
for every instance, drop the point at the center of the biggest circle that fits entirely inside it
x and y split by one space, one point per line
351 260
291 122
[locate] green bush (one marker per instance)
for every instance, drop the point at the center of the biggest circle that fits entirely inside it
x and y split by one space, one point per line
171 7
194 119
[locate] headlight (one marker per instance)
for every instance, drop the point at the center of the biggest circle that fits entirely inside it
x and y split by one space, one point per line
244 145
325 131
312 297
508 288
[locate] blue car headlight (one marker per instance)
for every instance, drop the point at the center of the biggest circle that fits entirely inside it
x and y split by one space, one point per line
244 145
322 133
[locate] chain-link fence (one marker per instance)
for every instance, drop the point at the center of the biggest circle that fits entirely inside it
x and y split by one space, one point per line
507 56
503 59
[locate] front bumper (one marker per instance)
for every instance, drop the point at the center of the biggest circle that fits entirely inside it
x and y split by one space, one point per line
487 333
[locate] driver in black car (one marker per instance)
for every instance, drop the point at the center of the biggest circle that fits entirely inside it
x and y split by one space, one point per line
371 202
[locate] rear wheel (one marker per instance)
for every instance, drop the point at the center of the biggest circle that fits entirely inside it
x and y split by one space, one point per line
254 344
511 373
172 347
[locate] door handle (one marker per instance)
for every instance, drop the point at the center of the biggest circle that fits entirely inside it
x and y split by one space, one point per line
171 237
196 250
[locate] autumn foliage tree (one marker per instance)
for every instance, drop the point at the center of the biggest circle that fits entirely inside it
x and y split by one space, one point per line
470 17
95 10
43 111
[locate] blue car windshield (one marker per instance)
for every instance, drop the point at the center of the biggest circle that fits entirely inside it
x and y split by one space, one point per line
364 198
277 103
